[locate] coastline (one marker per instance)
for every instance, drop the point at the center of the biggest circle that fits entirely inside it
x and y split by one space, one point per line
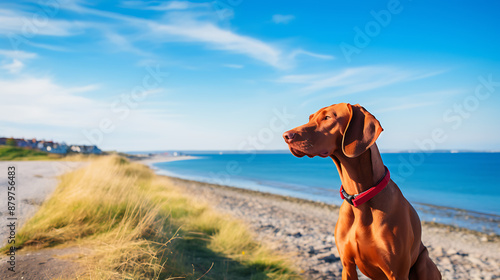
304 229
331 207
482 224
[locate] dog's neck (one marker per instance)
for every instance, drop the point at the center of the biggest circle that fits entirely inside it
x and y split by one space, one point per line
360 173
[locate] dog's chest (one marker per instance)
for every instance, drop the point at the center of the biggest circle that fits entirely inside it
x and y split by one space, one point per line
368 254
360 240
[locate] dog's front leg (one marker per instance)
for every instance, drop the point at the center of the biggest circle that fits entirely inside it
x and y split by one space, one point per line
349 270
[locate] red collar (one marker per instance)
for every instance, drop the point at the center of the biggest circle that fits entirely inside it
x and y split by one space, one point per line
358 199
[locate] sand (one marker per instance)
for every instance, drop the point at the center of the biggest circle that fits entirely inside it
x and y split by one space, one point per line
35 181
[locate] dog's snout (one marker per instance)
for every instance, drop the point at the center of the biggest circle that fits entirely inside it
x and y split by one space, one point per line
288 136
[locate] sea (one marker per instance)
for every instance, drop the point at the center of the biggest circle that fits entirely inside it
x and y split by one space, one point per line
458 189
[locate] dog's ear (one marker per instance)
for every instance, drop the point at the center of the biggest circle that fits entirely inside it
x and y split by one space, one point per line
361 132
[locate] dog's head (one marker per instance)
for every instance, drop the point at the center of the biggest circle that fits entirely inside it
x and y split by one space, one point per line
339 126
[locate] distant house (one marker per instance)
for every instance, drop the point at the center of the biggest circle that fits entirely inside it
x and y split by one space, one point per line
85 149
91 150
50 146
22 143
47 146
58 148
64 147
32 143
75 149
40 145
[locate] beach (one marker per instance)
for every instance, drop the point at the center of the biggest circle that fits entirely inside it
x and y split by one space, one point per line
298 228
35 182
304 230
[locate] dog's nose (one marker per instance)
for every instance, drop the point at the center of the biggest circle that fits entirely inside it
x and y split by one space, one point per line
288 136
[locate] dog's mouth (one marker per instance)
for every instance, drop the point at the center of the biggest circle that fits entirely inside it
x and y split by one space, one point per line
324 154
297 153
300 153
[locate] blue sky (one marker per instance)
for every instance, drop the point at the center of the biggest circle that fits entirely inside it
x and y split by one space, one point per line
235 74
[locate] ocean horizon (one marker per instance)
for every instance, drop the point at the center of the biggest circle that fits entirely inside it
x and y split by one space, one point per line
456 188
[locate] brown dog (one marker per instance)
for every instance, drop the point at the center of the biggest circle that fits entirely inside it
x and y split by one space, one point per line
378 230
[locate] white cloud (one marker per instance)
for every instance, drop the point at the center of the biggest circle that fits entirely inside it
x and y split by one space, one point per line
353 80
48 47
13 61
221 39
186 25
123 43
164 6
283 19
17 54
315 55
299 79
28 25
14 67
31 100
40 107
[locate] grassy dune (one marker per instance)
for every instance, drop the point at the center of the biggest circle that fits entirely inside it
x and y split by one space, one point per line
138 226
16 153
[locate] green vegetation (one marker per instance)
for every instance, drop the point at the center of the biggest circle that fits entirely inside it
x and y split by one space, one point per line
11 142
139 226
16 153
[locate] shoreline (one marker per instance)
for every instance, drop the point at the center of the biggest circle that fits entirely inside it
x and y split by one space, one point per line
490 237
150 160
304 230
426 209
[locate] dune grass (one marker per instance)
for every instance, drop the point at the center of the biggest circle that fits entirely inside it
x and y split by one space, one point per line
138 226
17 153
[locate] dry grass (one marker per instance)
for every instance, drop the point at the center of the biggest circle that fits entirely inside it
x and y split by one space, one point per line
140 227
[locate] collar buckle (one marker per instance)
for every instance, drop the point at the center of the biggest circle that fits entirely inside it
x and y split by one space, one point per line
347 197
358 199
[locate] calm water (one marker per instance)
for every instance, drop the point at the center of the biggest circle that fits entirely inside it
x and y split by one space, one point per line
468 181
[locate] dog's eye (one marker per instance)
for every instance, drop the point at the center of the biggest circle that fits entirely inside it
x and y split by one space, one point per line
326 118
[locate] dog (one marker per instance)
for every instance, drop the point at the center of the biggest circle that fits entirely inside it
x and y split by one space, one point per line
378 230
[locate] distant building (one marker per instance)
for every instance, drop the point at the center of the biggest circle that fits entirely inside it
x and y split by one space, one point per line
33 143
50 146
40 145
22 143
85 149
93 150
56 148
75 149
